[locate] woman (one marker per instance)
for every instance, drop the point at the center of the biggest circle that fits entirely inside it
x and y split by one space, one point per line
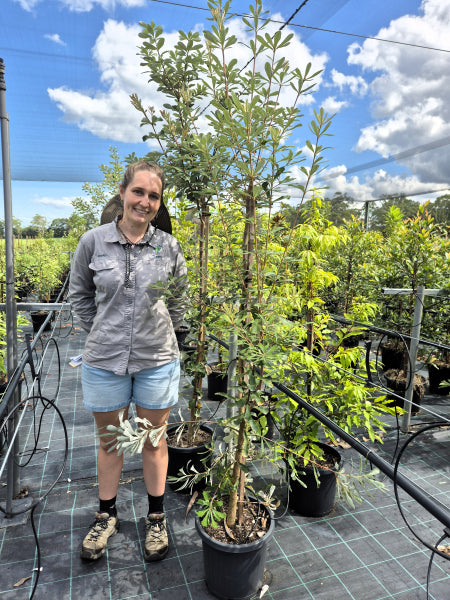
131 352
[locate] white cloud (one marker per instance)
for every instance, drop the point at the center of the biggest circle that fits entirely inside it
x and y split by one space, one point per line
84 5
108 113
28 5
332 106
56 202
410 90
375 185
54 37
356 85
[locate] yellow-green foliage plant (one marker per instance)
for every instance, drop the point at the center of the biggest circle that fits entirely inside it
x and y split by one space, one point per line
331 381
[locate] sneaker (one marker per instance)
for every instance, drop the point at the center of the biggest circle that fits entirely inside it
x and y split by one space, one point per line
94 544
156 540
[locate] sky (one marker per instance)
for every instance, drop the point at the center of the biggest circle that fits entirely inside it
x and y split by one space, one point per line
70 66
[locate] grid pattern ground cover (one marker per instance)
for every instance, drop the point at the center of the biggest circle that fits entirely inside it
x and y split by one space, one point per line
362 553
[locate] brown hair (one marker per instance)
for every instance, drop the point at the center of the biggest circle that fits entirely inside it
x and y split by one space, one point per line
142 165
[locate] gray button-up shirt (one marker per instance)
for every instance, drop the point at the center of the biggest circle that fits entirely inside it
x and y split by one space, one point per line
130 326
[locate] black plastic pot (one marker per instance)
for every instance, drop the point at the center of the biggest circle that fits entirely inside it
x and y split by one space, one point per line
186 459
234 571
352 341
436 375
315 500
392 357
181 334
38 318
398 385
217 384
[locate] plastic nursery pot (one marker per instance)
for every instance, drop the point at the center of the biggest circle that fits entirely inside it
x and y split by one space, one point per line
391 356
234 571
38 318
352 341
396 381
217 381
439 372
181 334
187 459
315 500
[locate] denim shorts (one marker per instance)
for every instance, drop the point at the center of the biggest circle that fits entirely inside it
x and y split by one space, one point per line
156 388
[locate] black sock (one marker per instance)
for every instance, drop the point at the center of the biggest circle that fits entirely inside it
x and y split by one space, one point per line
108 506
155 504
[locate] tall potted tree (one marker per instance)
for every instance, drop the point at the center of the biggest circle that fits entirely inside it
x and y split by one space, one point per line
247 167
250 122
176 72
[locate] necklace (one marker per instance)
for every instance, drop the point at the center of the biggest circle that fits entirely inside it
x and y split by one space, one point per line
127 239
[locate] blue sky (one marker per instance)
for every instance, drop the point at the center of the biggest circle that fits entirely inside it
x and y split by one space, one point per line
71 65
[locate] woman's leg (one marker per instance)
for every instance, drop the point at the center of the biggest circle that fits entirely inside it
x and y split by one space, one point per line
154 465
109 468
109 464
155 459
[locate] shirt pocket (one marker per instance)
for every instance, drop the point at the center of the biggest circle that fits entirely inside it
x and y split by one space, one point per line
153 269
108 276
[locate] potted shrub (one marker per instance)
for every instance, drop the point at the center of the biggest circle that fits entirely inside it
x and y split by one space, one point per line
397 380
312 467
436 326
414 255
21 321
183 167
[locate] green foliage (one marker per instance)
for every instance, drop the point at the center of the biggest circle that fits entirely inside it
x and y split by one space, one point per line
39 265
21 321
211 514
407 207
99 194
125 439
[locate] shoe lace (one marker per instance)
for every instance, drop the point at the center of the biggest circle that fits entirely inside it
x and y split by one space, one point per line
154 529
99 525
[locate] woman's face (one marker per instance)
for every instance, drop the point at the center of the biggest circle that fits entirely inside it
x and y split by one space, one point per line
141 199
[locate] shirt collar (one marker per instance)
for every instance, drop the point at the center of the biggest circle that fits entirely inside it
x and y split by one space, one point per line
112 234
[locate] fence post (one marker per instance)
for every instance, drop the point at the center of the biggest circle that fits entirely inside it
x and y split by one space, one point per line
11 313
415 335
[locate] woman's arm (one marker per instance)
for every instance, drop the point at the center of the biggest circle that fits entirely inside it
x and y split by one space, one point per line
82 288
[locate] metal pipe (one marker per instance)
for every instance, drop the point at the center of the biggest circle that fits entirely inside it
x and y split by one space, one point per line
29 306
414 344
11 314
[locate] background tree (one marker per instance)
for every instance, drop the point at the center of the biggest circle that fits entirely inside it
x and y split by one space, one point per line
379 214
440 209
39 222
59 227
337 210
17 226
30 231
100 193
340 208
